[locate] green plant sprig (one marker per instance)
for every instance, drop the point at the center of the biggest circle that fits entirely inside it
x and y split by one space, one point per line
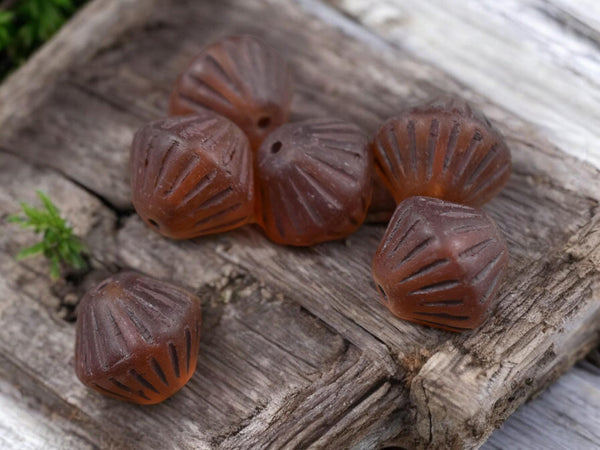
59 244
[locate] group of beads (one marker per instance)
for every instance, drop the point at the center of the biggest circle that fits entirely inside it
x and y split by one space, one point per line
227 158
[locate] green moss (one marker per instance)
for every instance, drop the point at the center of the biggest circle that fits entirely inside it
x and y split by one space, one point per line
27 24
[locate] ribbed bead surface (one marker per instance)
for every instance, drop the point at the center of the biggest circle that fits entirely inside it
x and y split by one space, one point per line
137 338
192 176
444 149
440 264
315 181
241 78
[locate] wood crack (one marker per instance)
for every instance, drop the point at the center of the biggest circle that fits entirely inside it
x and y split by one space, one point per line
118 211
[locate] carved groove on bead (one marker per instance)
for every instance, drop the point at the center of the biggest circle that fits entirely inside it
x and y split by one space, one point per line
444 149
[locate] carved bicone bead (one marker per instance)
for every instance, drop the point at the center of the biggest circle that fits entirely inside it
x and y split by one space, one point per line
443 149
137 338
440 264
315 181
241 78
192 176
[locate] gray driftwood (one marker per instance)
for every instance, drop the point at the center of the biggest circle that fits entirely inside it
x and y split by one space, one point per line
564 417
296 351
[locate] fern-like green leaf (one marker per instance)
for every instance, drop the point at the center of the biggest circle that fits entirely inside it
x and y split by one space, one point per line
50 207
54 267
35 249
59 244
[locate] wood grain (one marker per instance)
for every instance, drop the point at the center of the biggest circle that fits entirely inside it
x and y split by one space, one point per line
565 416
297 351
93 28
263 357
526 56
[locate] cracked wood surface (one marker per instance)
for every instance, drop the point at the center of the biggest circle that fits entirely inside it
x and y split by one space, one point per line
565 416
260 351
296 350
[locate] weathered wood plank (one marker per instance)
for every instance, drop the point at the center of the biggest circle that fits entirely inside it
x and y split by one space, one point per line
516 53
259 350
582 17
23 427
74 154
538 227
301 429
366 370
458 373
34 417
93 28
129 251
565 416
499 365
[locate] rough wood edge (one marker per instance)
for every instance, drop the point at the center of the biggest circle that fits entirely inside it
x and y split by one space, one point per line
574 338
97 25
568 411
55 409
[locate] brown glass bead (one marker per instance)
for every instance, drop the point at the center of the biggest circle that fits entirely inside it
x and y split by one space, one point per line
241 78
137 338
192 176
440 264
444 149
315 181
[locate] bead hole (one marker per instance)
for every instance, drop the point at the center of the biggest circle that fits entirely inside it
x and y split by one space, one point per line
154 223
264 122
276 147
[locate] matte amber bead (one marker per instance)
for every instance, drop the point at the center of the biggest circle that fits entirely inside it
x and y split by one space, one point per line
315 181
137 338
440 264
241 78
444 149
192 176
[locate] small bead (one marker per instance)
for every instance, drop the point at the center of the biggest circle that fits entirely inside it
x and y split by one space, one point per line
192 176
440 264
443 149
315 181
241 78
137 339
